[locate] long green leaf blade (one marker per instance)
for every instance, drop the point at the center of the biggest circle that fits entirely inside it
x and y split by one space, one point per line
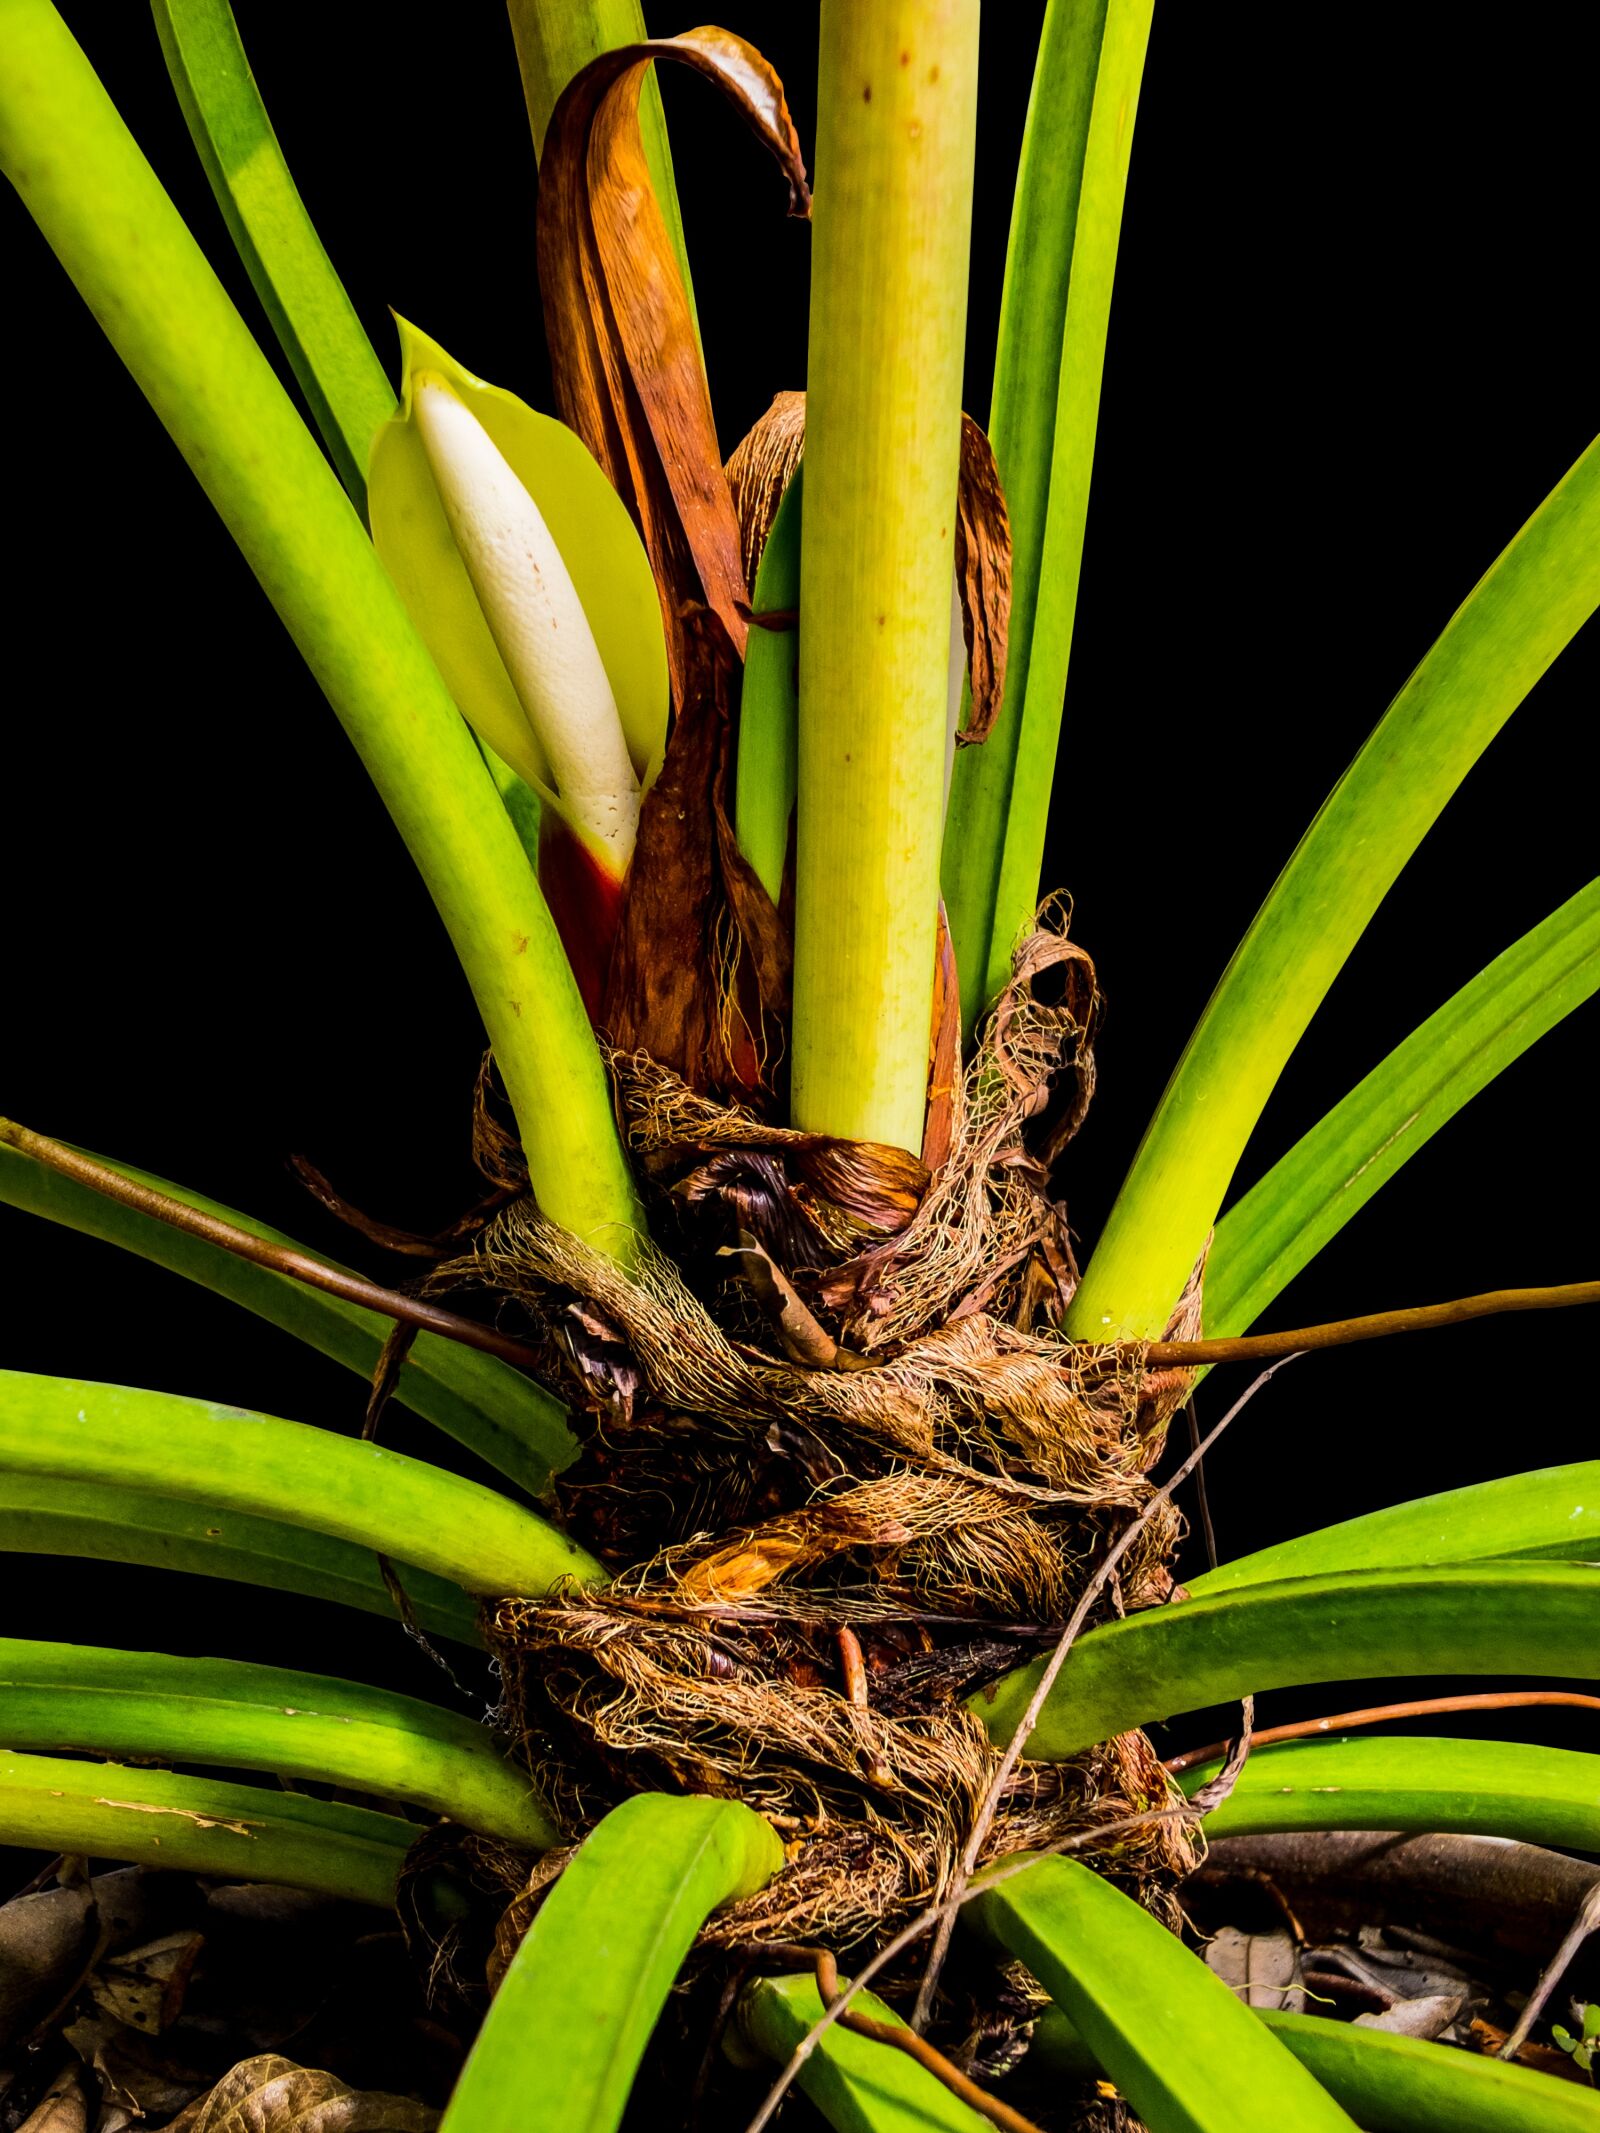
1533 598
234 1460
1333 1171
82 177
769 704
201 1826
1060 263
315 321
488 1407
1388 2084
1553 1512
1359 1625
1186 2054
858 2085
44 1515
1486 1788
575 2009
99 1701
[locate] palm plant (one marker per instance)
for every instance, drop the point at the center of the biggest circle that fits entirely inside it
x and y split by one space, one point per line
817 1544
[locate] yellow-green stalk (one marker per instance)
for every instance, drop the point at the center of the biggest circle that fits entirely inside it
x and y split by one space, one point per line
897 95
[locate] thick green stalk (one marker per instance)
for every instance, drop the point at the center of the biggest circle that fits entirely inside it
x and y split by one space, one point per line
857 2084
1553 1512
1535 596
1488 1788
82 177
335 364
1308 1196
563 2039
1357 1625
1389 2084
148 1704
499 1415
45 1515
201 1826
1188 2056
233 1460
897 99
555 38
1060 262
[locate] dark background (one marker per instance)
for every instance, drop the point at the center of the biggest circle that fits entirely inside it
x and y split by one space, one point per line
1352 347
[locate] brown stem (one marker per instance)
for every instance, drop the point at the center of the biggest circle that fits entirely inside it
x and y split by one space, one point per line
276 1258
1341 1332
918 2048
1375 1714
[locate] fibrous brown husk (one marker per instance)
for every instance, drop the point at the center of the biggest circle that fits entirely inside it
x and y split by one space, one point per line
852 1471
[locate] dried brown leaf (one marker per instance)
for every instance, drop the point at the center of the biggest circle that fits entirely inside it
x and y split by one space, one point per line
145 1986
762 463
983 576
270 2094
63 2108
805 1339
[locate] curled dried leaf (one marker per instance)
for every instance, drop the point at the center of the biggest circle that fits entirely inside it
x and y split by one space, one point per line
625 362
983 577
759 471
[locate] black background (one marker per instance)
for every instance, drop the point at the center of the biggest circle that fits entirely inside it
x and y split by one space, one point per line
1352 347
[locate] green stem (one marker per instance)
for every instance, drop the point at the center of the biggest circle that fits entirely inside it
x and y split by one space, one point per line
1525 608
897 96
82 177
555 39
202 1826
233 1460
333 361
1060 263
46 1515
104 1702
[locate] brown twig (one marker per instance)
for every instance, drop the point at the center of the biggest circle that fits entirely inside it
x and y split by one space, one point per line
276 1258
1341 1332
918 2048
1586 1922
983 1821
852 1665
1375 1714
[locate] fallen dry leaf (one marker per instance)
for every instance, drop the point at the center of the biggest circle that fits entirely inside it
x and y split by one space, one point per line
270 2094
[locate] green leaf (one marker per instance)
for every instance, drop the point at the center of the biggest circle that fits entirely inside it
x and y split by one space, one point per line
82 178
496 1413
589 524
1359 1625
1389 2084
859 2085
232 1460
201 1826
44 1515
769 704
1186 2054
99 1701
315 321
1060 263
574 2012
1530 602
1553 1512
1487 1788
1331 1172
555 40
